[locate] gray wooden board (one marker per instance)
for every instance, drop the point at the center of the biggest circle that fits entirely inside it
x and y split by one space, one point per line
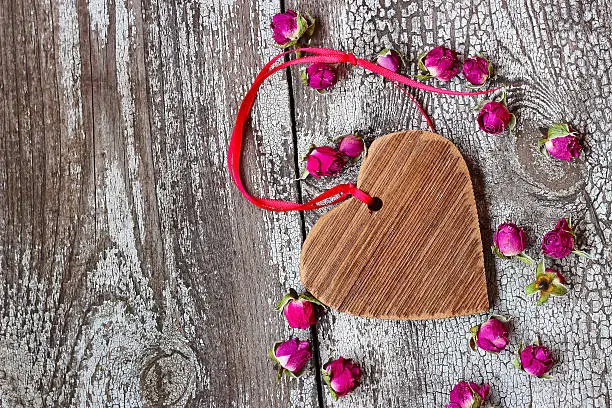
558 55
134 274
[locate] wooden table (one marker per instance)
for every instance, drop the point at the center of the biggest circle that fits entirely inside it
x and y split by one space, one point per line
134 274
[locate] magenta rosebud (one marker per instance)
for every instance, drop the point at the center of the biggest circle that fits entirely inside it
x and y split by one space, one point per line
559 242
324 161
389 59
320 76
299 309
510 239
468 395
351 146
300 313
342 376
564 148
441 63
494 118
291 355
476 70
288 27
536 360
561 142
491 336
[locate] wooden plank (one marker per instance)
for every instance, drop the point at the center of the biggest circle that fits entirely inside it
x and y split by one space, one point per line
134 274
558 55
384 264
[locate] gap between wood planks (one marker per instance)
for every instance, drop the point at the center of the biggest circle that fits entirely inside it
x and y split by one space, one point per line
314 333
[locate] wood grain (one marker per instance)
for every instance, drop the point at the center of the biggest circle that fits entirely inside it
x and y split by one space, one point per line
420 255
132 274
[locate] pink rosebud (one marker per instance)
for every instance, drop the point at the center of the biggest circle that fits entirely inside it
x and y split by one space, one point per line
491 336
510 239
468 395
351 146
288 27
559 242
320 76
494 118
536 360
291 355
389 59
564 148
300 313
342 376
476 70
324 161
441 63
561 142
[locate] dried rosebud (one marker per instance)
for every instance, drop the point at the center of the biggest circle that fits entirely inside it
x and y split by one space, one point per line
495 118
468 395
320 76
559 242
476 70
561 142
440 62
535 359
324 161
288 27
510 241
291 356
351 146
548 282
389 59
299 310
342 376
491 336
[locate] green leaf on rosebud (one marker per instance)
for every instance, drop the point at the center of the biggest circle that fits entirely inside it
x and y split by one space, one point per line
517 363
304 76
582 254
525 258
540 269
311 299
420 62
558 130
531 289
497 252
292 295
512 123
327 379
549 282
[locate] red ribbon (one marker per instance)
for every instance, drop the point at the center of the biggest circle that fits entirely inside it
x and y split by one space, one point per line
328 56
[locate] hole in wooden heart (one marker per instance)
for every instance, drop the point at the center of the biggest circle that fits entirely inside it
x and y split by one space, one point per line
376 205
419 258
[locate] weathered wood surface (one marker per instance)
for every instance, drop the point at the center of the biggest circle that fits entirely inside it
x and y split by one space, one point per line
559 55
134 274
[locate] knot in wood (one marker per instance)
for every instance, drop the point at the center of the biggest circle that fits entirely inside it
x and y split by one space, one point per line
166 378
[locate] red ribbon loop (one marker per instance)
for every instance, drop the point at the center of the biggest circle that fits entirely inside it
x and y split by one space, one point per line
328 56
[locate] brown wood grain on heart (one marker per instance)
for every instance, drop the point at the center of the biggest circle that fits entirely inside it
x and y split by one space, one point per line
420 256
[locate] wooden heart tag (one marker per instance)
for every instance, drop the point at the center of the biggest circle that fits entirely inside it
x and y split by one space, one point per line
418 257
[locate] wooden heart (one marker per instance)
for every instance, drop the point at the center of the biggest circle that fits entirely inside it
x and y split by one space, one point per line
418 257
